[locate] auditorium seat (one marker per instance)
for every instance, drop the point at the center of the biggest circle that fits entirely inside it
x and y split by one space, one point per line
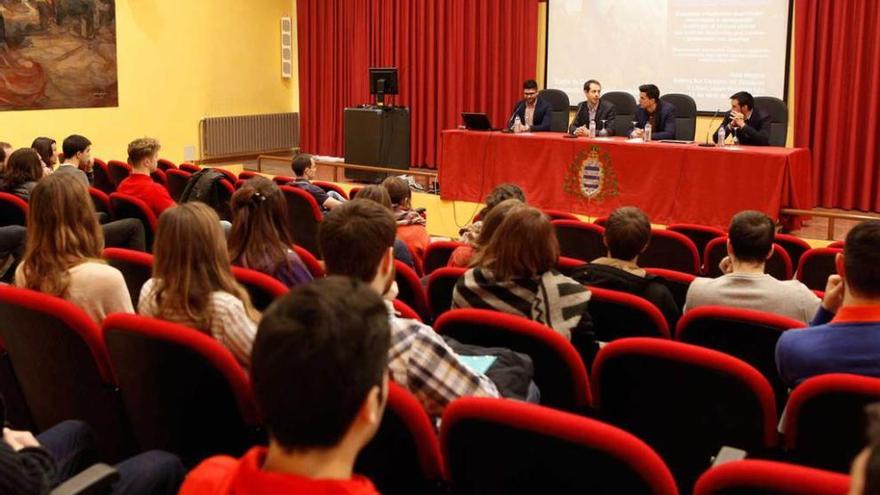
403 457
136 268
441 283
248 174
61 363
816 265
678 283
189 167
303 218
404 311
685 115
836 244
684 401
747 477
119 171
263 289
625 104
671 250
793 245
567 265
743 333
560 373
182 390
778 112
560 215
177 180
560 107
165 165
619 314
282 180
437 254
125 206
601 221
160 178
13 210
329 186
580 240
102 178
100 200
497 446
779 264
312 264
410 290
231 177
825 421
352 193
699 234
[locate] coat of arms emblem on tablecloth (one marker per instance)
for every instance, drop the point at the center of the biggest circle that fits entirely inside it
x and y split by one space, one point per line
591 176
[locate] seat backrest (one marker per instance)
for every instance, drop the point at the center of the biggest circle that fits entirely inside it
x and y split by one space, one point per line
684 401
176 182
816 265
189 167
699 234
793 245
671 250
441 285
625 104
100 199
778 111
619 314
263 289
303 217
165 165
312 264
685 114
183 391
159 177
837 244
136 268
743 333
678 283
125 206
580 240
352 193
410 290
103 180
282 180
13 210
61 363
437 254
779 264
559 215
404 455
825 419
560 106
495 446
329 186
119 171
750 476
559 370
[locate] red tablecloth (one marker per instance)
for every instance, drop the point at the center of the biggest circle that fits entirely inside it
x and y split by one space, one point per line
670 182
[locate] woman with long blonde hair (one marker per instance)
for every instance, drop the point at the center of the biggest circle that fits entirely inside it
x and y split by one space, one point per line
63 250
192 280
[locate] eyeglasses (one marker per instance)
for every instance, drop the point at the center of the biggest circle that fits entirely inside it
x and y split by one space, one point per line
529 93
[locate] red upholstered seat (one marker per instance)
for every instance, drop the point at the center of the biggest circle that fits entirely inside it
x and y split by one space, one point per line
263 289
793 245
601 221
816 265
778 266
437 254
136 268
282 180
353 192
329 186
620 314
13 210
678 283
125 206
560 215
176 180
405 311
497 446
100 200
441 284
580 240
247 174
699 234
410 290
189 167
770 478
166 165
159 177
103 180
672 251
303 217
314 266
119 171
836 244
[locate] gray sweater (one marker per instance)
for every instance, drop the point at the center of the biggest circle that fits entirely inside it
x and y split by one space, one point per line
760 292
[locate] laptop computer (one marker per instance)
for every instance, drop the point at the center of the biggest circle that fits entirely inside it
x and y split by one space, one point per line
475 121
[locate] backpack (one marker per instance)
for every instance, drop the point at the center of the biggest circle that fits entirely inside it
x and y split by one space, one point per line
205 186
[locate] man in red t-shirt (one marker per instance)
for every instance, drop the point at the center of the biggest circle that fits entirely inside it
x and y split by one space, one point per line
143 156
319 375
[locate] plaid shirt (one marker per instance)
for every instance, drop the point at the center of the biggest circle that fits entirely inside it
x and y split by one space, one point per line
423 363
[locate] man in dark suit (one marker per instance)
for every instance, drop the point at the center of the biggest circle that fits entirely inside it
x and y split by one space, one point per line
751 125
593 109
534 114
651 110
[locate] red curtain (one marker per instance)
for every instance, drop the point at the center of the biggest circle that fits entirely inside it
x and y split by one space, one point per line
837 76
452 56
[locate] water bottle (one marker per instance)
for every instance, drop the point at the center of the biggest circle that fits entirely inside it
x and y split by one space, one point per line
721 136
592 128
517 124
647 134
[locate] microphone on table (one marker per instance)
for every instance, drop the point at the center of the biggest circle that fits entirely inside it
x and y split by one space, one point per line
709 132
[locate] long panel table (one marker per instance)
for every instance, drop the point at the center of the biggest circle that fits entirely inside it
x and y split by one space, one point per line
670 182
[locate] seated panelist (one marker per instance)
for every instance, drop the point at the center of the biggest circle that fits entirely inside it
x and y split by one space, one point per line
651 110
744 123
534 114
595 110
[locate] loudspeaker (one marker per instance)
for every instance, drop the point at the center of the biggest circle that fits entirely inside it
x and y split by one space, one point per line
376 136
286 48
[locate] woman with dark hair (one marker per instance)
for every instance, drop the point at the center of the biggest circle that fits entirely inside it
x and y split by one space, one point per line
259 238
22 172
502 192
410 223
47 149
380 195
463 255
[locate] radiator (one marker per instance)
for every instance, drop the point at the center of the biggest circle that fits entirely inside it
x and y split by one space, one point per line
248 134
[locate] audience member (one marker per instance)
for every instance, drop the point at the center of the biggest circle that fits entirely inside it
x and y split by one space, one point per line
744 283
356 240
47 149
23 170
5 151
627 235
845 336
410 223
143 156
380 195
304 169
192 280
260 239
469 233
462 256
63 251
77 158
865 469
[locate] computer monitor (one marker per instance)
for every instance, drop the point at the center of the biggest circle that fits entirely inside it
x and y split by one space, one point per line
383 81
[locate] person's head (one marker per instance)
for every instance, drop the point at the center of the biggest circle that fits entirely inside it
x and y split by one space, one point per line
259 238
47 149
530 90
649 95
303 165
627 233
190 262
319 366
523 246
750 237
742 102
5 151
77 150
860 263
593 91
143 154
504 192
357 240
492 220
399 191
23 166
377 193
62 232
865 469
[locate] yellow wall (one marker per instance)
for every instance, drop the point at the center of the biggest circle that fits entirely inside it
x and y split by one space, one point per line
178 61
